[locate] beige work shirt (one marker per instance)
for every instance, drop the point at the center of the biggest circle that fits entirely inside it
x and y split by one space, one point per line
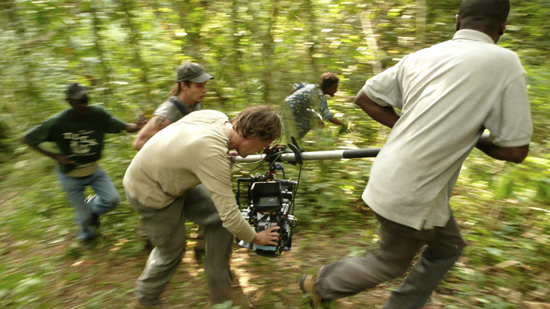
189 152
447 94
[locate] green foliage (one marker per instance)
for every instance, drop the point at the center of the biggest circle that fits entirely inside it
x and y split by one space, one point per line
127 51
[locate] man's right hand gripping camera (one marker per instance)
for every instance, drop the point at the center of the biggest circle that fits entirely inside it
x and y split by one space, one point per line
270 202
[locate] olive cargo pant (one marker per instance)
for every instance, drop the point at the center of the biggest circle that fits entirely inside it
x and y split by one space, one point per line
166 229
398 246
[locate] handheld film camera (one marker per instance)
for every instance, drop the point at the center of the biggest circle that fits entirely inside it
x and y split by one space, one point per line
270 202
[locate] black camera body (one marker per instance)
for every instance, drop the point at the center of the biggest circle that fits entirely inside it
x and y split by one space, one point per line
269 203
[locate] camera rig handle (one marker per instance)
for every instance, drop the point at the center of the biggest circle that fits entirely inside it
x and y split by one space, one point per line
315 155
296 150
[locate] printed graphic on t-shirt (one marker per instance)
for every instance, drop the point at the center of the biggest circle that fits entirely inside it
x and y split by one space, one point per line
81 143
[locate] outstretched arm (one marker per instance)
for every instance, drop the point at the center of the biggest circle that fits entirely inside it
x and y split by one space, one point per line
386 115
134 127
152 127
512 154
336 121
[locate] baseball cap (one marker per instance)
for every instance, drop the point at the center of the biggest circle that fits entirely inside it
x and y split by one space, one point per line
76 91
193 72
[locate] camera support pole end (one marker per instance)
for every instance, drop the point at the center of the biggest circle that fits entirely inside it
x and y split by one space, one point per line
297 150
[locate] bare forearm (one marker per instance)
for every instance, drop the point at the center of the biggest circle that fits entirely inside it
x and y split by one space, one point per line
512 154
336 121
138 143
60 158
43 151
151 128
134 127
131 127
385 115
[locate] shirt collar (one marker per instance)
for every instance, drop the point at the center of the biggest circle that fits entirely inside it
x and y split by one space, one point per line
474 35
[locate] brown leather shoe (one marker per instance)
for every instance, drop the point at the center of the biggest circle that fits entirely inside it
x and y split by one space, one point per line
307 285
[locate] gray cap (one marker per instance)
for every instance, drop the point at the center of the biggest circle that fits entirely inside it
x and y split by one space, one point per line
193 72
76 91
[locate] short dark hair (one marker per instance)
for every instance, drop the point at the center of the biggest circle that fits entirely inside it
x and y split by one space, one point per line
328 79
484 10
260 121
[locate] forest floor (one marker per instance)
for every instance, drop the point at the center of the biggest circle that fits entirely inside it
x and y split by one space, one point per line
43 265
43 270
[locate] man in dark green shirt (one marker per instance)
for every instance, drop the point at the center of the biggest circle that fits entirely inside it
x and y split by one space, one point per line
78 132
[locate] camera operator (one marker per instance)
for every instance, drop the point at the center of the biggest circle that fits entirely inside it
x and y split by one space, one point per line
448 95
161 184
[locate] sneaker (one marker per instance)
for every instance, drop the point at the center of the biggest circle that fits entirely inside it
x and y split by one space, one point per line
307 285
89 242
94 219
92 222
139 305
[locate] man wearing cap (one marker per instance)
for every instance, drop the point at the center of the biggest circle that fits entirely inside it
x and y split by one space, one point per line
78 132
185 97
448 95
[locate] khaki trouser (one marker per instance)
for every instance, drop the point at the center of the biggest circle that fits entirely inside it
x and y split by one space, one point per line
398 246
166 229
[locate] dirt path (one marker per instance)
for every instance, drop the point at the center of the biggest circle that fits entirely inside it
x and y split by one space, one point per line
106 280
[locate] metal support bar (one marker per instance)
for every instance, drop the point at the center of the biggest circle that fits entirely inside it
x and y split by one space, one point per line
316 155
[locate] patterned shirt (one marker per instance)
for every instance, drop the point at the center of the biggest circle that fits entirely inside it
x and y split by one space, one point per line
300 105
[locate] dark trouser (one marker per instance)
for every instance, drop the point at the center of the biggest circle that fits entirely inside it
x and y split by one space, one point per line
398 246
166 229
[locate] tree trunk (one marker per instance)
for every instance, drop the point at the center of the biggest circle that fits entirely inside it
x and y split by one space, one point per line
266 38
267 53
134 41
376 63
314 32
9 7
106 80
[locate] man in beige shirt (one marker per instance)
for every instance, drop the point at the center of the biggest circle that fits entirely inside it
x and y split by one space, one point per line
448 95
161 184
